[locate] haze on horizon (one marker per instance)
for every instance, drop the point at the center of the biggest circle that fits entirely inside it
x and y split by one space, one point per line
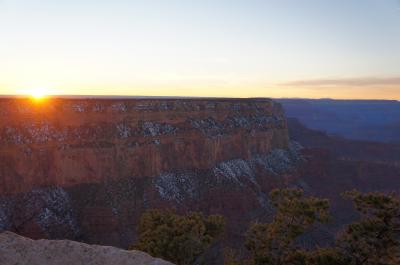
230 48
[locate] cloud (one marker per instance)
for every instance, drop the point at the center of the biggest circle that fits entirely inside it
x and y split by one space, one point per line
357 82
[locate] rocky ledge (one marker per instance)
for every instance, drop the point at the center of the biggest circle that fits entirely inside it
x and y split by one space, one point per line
15 249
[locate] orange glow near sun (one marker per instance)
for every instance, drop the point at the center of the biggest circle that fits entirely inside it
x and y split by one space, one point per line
38 94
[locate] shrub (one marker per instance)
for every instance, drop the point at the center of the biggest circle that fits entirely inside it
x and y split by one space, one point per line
178 238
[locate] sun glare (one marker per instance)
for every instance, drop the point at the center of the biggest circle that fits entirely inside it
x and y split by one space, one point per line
38 93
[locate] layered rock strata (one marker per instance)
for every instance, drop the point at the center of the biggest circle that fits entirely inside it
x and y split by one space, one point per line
65 142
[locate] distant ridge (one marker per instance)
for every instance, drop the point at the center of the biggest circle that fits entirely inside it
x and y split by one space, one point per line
132 97
367 120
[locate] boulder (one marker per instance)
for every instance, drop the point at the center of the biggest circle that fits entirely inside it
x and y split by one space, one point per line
15 249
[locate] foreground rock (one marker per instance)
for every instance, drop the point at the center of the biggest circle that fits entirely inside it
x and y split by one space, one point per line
15 249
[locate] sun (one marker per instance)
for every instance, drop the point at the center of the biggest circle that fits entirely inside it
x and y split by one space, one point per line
38 93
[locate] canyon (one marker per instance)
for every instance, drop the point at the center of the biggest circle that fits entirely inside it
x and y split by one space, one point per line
64 142
87 168
363 120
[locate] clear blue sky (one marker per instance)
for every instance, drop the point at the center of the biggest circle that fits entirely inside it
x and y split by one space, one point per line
308 48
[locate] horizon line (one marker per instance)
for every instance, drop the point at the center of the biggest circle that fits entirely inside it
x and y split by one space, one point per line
71 96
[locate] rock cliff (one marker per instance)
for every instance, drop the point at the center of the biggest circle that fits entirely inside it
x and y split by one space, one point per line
87 168
65 142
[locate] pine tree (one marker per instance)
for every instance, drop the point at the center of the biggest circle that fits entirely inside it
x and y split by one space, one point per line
274 243
177 238
374 240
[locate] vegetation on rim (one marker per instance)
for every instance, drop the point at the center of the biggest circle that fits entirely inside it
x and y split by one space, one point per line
372 240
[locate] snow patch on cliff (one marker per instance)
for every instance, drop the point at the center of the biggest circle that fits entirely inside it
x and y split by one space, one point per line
56 209
213 128
242 173
209 127
119 107
124 130
280 161
156 129
79 107
50 208
233 170
177 186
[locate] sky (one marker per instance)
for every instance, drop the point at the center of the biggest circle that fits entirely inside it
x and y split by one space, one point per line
229 48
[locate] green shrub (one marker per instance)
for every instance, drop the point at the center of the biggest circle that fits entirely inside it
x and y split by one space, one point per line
178 238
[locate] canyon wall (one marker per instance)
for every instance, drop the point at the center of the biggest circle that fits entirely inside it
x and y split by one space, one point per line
87 169
65 142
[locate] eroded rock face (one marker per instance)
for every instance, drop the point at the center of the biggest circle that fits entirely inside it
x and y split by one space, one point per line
15 249
42 212
88 168
65 142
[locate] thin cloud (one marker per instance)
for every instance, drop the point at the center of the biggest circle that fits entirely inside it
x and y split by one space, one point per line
360 82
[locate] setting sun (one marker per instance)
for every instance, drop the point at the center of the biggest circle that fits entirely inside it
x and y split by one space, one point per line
38 93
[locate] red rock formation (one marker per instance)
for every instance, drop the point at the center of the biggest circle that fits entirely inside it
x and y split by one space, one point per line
66 142
87 168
